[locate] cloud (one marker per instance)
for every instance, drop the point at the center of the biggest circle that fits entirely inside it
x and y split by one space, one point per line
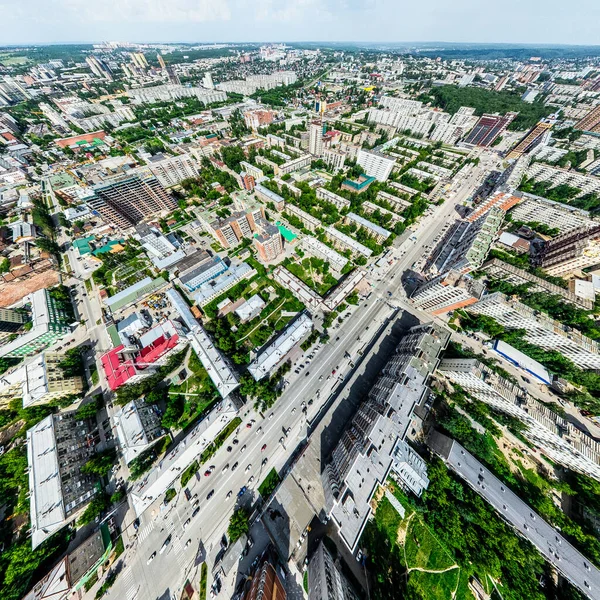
142 11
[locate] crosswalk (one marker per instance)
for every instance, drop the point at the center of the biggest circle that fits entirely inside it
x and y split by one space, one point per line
129 583
145 531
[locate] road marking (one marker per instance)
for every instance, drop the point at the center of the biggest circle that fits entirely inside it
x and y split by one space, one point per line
130 583
145 532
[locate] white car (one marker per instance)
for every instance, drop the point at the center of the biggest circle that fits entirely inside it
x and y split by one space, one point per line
259 429
229 494
225 468
151 558
293 410
248 467
243 448
251 480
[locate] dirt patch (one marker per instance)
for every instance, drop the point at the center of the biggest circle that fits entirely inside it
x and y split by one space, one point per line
12 292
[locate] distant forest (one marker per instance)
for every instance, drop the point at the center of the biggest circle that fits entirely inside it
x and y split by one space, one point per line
451 98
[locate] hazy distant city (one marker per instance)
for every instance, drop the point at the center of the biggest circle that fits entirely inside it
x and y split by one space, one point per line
285 321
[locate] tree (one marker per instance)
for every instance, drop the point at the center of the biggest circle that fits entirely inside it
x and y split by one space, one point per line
4 265
101 463
239 524
48 245
94 509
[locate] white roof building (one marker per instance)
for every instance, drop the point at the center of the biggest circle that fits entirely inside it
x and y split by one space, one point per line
272 354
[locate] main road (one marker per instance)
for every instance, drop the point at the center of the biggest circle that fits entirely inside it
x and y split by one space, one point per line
279 433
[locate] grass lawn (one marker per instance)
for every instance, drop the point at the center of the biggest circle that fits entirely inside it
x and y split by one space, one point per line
434 586
269 484
423 549
406 543
203 582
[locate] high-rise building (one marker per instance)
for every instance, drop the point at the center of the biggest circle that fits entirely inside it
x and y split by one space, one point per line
555 436
39 381
247 181
538 135
591 121
161 61
207 81
364 456
325 579
57 448
447 292
266 584
467 243
315 138
127 200
571 252
376 164
540 329
488 128
99 67
49 323
258 118
268 242
11 320
171 170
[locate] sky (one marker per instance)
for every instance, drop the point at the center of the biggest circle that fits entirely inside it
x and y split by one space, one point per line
509 21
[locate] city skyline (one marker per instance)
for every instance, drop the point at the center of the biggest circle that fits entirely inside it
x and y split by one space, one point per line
72 21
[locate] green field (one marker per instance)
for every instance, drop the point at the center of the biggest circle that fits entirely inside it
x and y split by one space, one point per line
408 547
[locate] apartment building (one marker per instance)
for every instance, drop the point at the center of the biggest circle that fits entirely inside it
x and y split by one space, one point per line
334 159
498 269
255 119
467 243
377 233
369 208
315 138
172 170
563 217
127 200
170 92
229 232
294 284
591 121
538 135
502 200
11 320
266 195
268 241
49 324
326 581
311 223
447 292
397 204
265 584
312 246
38 381
376 164
137 425
344 242
553 435
363 458
210 290
339 202
588 184
293 165
250 169
57 447
571 252
540 329
272 355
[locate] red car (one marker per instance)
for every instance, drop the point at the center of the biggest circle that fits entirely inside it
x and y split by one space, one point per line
248 425
333 372
263 448
207 473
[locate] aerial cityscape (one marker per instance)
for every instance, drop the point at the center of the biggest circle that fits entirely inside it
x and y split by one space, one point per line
298 320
